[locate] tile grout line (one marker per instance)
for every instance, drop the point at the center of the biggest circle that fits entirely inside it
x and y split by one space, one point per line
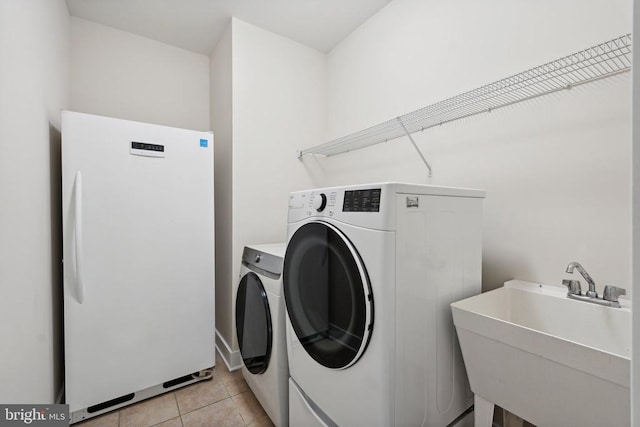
235 405
175 398
214 403
207 405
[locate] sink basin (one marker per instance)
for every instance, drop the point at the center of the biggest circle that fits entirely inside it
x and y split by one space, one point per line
544 357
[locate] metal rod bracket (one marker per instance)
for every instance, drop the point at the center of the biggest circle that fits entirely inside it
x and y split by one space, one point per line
414 145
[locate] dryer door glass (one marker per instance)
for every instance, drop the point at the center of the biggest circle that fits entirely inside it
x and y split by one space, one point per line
327 294
253 324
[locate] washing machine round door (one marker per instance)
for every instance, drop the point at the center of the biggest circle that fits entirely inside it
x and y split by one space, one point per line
253 324
328 295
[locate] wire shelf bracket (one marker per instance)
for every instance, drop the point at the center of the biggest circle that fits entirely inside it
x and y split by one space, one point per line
415 146
598 62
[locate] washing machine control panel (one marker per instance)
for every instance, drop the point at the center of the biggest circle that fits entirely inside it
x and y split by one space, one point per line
350 205
320 202
367 200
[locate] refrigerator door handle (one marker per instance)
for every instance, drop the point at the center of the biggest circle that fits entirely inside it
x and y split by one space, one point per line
78 239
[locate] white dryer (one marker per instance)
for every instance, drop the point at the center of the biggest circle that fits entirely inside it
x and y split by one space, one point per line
369 273
260 328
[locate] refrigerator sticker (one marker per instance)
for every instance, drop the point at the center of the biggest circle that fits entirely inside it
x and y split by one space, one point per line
204 143
413 202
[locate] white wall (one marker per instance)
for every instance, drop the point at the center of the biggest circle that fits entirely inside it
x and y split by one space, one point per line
119 74
557 169
34 87
221 122
278 102
635 356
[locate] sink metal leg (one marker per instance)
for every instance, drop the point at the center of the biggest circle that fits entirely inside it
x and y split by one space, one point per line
483 412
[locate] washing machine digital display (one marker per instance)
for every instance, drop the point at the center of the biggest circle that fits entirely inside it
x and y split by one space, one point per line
362 200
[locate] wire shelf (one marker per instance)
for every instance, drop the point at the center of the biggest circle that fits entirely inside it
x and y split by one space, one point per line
597 62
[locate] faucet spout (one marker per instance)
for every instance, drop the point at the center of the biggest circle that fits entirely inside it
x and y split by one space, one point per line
592 285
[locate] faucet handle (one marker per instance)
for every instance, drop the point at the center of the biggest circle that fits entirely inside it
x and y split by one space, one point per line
573 287
611 293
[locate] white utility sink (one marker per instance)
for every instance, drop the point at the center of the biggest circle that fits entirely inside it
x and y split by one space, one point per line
549 359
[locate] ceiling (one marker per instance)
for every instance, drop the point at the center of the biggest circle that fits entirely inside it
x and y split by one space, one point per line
197 25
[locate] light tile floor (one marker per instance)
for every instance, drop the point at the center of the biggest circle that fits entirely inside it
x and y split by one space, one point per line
223 401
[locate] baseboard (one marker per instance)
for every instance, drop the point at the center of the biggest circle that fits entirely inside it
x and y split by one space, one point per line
231 358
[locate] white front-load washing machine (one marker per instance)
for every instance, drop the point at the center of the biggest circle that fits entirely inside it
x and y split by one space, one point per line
260 328
369 273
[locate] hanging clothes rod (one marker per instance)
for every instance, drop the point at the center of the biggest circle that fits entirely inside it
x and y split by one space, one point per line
595 63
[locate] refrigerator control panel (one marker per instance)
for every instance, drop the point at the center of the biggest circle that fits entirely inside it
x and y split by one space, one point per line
146 149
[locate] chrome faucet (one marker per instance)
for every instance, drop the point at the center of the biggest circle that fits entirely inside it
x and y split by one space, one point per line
609 297
591 293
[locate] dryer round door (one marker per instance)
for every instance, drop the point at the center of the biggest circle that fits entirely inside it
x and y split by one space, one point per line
328 295
253 323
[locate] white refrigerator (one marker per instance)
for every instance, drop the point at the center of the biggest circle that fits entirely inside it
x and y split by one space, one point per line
138 227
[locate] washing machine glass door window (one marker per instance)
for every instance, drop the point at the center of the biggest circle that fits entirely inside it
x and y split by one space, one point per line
328 295
253 324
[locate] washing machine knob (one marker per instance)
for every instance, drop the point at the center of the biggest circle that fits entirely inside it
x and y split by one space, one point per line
320 202
258 258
